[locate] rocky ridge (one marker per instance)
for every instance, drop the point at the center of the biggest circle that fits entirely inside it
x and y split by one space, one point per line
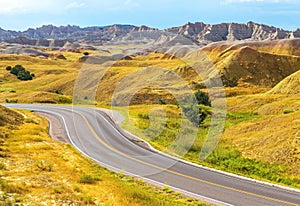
199 32
233 31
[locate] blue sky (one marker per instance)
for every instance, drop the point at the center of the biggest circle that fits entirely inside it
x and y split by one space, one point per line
22 14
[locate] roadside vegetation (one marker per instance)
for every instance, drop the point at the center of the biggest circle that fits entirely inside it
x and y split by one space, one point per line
37 170
226 156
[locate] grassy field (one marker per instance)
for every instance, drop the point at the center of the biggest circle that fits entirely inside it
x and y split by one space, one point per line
260 140
252 145
52 83
36 170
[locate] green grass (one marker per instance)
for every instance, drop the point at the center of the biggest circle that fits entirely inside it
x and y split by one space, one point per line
288 111
234 118
224 157
230 159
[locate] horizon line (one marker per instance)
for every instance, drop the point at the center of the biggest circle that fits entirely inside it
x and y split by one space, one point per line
129 24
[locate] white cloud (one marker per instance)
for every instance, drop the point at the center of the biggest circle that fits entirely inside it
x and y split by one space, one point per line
57 6
21 6
117 5
37 6
74 5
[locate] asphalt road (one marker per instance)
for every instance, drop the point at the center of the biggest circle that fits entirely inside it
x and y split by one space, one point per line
96 136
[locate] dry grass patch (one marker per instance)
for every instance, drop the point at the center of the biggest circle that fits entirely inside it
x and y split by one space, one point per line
39 170
273 139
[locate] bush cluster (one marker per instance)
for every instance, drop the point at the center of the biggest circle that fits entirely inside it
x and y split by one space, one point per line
20 72
88 179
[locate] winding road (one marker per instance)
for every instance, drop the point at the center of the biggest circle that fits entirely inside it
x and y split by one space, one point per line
96 136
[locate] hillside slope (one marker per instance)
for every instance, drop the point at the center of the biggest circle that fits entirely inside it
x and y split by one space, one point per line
247 67
271 138
290 85
9 117
251 63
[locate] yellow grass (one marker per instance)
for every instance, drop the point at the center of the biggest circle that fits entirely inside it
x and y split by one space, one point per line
273 139
273 126
39 171
51 76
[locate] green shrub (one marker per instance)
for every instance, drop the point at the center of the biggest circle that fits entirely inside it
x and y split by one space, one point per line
87 199
288 111
59 190
16 69
88 179
12 188
161 101
20 72
2 166
76 188
64 99
202 98
230 81
167 189
24 75
194 113
143 116
43 166
11 101
30 121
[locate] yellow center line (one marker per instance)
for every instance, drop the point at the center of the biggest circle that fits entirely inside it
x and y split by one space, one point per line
177 173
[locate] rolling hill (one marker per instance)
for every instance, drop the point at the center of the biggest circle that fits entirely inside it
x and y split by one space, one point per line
263 64
290 85
244 67
9 117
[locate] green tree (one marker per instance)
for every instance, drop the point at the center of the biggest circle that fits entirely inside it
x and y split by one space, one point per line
194 114
202 98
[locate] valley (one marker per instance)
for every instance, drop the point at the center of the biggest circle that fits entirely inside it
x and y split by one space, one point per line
252 78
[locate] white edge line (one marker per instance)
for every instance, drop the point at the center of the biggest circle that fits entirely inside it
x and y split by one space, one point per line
170 156
201 166
176 158
153 182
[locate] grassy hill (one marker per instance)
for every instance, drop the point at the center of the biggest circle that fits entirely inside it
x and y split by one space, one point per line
261 80
244 68
242 63
290 85
52 82
9 117
270 138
